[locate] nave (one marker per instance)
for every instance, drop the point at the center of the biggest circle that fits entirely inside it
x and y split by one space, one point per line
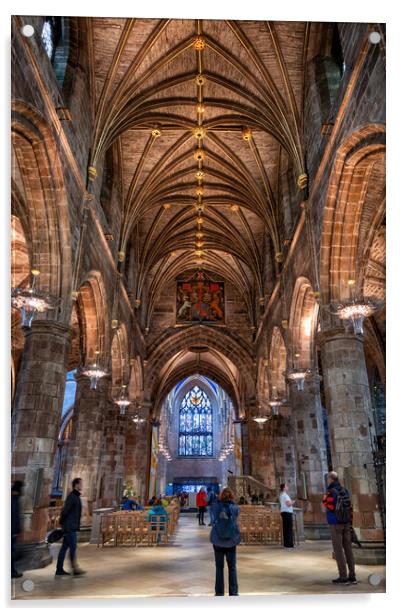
186 568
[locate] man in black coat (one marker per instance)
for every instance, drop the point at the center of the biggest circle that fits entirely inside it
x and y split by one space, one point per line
70 522
16 491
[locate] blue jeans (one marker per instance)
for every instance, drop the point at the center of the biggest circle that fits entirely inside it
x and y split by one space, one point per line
230 554
69 542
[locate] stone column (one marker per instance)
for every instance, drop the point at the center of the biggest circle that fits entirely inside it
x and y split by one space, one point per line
85 448
263 467
112 458
349 415
35 425
311 458
136 457
283 449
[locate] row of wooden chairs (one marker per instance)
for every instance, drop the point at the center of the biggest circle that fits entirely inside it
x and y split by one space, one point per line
262 525
132 528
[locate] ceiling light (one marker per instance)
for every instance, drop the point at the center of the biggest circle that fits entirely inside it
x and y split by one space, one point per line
234 207
156 133
356 310
199 235
200 175
199 191
200 108
94 371
199 244
167 206
30 300
199 253
123 401
200 220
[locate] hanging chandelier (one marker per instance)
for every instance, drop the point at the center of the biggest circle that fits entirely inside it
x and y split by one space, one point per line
355 311
94 371
123 400
30 300
298 376
275 405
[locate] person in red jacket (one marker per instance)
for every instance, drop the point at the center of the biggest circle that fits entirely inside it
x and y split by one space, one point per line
201 503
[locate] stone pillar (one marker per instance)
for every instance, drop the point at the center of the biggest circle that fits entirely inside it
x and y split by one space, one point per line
136 457
311 457
349 414
35 425
263 467
112 459
284 450
87 439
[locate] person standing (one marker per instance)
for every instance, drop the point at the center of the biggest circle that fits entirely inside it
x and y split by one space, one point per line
286 506
225 536
201 502
16 491
70 519
211 498
338 507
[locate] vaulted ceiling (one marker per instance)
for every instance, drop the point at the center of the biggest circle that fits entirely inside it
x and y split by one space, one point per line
200 115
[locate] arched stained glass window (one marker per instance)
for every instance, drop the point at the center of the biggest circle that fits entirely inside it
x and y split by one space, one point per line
195 424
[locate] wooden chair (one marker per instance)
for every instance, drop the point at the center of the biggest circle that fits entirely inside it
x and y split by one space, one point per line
158 529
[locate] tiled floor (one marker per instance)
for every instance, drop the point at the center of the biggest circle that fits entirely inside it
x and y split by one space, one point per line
186 568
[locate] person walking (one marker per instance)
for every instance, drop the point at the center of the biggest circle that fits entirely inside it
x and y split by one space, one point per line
225 536
286 506
201 503
70 519
16 491
338 507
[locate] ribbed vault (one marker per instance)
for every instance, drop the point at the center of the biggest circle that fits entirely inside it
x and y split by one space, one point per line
199 115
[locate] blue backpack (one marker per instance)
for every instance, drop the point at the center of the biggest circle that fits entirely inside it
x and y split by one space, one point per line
225 523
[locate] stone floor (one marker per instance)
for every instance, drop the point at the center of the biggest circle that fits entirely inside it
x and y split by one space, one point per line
186 568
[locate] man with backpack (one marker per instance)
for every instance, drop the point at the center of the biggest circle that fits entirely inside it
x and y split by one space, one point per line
339 512
225 536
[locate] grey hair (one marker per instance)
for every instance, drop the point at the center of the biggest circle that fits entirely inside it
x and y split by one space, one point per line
333 475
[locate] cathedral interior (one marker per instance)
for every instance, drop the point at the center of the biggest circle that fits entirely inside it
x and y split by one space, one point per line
198 271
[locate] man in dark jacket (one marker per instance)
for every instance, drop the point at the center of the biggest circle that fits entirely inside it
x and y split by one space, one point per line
70 522
16 491
339 512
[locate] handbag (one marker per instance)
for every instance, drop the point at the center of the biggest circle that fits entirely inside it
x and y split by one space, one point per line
55 535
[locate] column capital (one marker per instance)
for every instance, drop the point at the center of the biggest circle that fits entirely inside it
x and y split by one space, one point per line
54 328
337 333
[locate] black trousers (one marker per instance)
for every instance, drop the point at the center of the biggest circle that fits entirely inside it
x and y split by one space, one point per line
230 554
287 525
201 511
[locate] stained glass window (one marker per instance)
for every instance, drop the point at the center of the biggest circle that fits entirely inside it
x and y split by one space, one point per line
195 424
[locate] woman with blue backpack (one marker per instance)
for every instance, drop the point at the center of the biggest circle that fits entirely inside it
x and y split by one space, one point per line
225 536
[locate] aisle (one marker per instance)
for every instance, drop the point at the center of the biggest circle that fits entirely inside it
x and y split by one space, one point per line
186 568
